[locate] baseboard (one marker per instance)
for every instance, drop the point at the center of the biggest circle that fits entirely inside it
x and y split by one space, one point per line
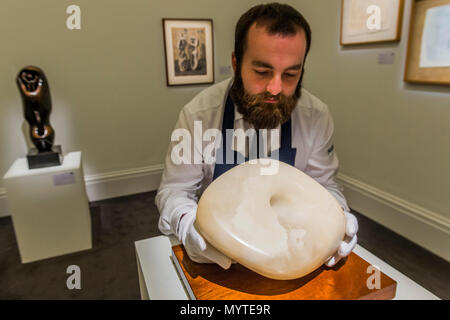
122 183
3 203
419 225
111 185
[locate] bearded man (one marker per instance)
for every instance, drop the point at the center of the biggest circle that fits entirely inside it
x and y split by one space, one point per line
271 45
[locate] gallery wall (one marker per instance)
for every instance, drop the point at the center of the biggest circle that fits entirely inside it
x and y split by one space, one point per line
107 80
110 101
392 138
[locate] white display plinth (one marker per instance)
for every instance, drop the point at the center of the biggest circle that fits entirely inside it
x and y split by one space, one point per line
49 208
159 279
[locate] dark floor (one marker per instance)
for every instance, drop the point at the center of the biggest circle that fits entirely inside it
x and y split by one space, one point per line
109 271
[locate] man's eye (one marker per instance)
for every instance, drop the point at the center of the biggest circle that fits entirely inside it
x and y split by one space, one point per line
290 75
262 73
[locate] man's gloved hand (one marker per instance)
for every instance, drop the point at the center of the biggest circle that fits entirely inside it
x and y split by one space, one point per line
349 243
196 247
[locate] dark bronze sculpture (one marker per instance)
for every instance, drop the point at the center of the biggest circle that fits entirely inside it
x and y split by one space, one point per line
37 106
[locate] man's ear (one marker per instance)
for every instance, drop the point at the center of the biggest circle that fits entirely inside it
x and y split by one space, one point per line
233 61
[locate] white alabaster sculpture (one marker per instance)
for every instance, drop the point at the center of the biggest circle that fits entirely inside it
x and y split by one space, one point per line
282 226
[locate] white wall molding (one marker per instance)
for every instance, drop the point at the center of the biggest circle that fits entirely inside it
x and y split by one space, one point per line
420 225
112 184
124 182
3 203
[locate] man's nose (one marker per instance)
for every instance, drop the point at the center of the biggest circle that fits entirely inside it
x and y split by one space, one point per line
274 87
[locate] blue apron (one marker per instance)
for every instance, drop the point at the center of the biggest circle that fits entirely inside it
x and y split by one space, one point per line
285 153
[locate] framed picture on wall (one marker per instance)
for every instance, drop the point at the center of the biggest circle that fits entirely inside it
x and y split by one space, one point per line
188 45
370 21
428 56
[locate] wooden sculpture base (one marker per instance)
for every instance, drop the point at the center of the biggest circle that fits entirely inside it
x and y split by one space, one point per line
345 281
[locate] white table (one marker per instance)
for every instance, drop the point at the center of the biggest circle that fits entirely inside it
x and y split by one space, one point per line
159 280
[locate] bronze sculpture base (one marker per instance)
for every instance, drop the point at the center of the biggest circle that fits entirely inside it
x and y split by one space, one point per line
38 159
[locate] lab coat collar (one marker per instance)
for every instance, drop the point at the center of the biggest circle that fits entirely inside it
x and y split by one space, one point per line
237 114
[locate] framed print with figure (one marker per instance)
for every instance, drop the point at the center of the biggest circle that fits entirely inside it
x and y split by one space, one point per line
428 56
370 21
188 45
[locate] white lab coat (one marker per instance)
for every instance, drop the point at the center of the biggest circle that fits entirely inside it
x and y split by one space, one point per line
182 184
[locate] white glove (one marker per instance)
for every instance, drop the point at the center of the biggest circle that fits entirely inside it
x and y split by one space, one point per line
349 243
196 247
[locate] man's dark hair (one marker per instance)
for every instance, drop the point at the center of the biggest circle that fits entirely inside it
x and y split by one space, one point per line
277 18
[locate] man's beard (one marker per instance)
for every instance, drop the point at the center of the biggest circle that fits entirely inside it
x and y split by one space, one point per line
260 114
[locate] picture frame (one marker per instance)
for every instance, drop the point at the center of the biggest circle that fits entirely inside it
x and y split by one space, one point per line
428 53
370 21
189 51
